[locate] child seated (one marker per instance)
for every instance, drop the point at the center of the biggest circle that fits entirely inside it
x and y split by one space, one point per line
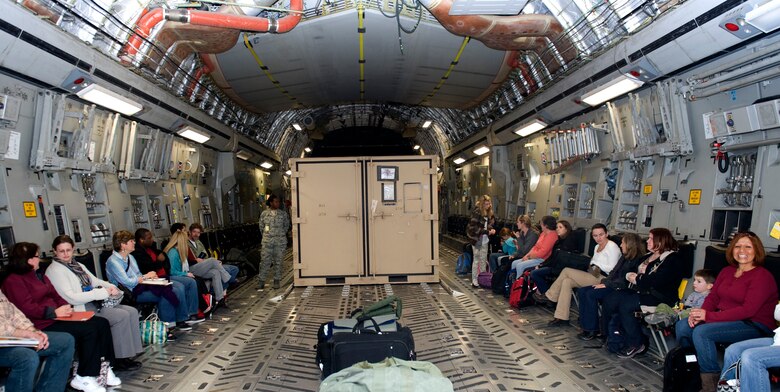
508 247
665 316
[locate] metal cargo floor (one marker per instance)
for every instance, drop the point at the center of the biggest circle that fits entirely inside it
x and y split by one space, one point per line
265 342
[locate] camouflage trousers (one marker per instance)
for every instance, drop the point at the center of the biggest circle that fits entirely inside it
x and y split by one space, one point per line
272 253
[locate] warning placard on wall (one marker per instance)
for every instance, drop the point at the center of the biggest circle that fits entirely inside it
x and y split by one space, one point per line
694 197
29 209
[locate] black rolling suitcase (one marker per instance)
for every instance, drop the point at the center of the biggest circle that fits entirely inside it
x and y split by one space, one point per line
343 350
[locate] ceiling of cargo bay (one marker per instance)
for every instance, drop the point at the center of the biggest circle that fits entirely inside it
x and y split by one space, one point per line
460 63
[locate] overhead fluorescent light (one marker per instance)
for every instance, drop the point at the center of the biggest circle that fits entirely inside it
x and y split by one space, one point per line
416 146
615 88
765 17
194 135
288 173
481 150
297 127
307 149
110 100
427 123
241 154
266 165
458 160
529 128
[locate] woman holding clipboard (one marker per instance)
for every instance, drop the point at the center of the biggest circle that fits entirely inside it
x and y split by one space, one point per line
34 295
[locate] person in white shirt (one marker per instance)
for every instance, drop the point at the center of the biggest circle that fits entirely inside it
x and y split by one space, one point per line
605 257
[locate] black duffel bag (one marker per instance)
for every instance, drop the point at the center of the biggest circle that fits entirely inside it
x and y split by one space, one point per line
343 350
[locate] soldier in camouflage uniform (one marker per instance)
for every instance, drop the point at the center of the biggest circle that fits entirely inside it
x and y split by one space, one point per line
274 224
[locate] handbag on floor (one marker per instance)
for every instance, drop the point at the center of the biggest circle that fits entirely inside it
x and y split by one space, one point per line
153 330
733 384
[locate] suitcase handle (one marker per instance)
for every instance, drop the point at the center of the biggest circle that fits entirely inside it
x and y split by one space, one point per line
358 328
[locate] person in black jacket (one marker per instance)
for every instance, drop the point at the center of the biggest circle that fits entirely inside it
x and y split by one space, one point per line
655 281
589 296
148 257
566 241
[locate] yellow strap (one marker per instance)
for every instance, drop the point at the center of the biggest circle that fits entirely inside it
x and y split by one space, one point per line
267 72
446 76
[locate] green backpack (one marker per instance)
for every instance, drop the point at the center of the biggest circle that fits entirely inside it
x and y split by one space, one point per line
389 305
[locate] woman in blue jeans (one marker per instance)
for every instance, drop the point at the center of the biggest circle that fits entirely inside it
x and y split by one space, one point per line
589 296
739 307
172 301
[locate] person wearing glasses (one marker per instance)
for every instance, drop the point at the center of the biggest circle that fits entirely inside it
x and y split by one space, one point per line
740 306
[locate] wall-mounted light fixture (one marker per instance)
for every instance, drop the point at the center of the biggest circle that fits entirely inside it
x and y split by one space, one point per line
288 173
191 133
765 17
266 165
458 160
241 154
614 88
108 99
416 146
307 149
481 150
297 127
427 123
534 126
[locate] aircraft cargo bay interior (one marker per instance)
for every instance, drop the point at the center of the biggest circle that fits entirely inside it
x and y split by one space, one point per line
471 195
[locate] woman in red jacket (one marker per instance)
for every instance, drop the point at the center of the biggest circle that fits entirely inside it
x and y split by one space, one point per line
35 296
740 306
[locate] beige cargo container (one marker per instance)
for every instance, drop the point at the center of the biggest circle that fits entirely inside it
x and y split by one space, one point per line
365 220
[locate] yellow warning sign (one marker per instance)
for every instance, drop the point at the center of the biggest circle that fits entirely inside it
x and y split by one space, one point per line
694 197
775 233
29 209
648 189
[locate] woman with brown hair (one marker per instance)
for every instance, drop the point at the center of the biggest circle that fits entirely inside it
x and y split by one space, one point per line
77 285
740 306
633 250
34 295
479 228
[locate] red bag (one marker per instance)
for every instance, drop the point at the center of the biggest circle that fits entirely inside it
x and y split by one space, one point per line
520 294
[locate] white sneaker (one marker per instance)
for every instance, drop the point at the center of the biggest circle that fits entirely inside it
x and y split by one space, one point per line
86 384
112 380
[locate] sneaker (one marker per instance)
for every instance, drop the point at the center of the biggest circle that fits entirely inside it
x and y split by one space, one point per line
183 326
112 380
195 320
276 284
170 337
631 351
587 335
540 298
86 384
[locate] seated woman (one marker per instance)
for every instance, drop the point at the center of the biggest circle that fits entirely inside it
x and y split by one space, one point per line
755 356
541 276
34 295
739 307
172 300
526 236
176 251
655 281
589 296
56 348
220 275
541 249
604 259
75 284
149 258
